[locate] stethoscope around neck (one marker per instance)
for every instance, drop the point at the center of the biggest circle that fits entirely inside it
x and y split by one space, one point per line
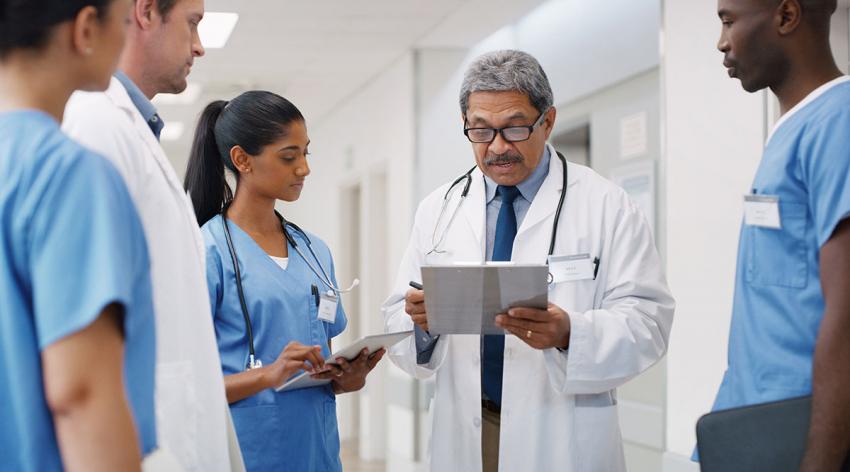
317 269
467 177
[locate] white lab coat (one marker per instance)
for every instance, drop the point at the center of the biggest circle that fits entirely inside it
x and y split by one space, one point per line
191 408
558 409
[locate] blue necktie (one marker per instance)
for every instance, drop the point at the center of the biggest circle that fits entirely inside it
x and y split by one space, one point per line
494 345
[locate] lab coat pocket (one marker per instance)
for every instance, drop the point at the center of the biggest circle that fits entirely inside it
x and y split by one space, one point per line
177 411
597 433
777 257
574 296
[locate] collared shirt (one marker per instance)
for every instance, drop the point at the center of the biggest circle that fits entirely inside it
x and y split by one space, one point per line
778 304
142 103
528 189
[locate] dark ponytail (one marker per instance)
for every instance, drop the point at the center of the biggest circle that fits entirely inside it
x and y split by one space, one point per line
251 121
26 24
205 179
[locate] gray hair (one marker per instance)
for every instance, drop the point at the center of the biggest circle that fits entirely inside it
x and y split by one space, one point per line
505 71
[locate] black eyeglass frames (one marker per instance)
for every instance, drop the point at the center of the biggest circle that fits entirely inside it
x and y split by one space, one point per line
511 134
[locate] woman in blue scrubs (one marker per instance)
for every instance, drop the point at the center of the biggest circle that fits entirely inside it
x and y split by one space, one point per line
289 290
76 316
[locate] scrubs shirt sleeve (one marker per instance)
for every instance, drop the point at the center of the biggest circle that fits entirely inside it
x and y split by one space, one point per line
214 277
87 250
825 161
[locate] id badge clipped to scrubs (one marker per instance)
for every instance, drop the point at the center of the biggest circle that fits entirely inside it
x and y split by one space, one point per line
762 211
571 268
327 307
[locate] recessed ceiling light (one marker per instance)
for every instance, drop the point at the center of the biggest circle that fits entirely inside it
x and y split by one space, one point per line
187 97
215 28
172 131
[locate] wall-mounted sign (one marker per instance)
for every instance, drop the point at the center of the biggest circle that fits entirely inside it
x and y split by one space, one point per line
634 139
638 180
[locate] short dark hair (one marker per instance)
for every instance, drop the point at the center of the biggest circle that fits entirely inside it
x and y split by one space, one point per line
827 6
26 24
814 11
164 7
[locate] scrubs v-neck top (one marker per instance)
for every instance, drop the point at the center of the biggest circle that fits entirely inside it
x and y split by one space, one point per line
294 430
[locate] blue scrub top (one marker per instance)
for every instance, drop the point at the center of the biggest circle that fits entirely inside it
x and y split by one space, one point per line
71 243
277 431
778 302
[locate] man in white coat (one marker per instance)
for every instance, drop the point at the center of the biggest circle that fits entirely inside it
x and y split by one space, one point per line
542 397
193 423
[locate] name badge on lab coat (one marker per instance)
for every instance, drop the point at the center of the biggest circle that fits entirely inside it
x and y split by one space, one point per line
571 268
762 211
327 307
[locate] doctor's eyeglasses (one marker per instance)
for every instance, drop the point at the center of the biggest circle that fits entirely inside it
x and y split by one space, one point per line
511 134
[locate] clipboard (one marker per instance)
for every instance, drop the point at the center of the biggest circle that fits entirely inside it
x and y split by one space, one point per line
767 436
465 299
374 343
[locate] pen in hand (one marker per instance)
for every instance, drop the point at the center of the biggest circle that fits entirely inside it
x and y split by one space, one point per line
423 323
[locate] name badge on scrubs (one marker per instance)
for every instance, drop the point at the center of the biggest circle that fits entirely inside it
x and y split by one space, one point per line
762 211
571 268
327 307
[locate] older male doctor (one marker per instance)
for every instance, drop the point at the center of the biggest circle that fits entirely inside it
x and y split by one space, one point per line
543 396
193 425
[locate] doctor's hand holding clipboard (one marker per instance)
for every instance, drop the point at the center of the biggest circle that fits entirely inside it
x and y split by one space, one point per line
540 329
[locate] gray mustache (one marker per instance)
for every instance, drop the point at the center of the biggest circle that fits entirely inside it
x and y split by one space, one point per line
502 159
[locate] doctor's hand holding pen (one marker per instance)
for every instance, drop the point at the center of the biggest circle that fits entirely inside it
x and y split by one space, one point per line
350 376
294 357
414 305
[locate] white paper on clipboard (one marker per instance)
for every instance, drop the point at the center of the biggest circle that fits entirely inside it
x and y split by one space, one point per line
373 343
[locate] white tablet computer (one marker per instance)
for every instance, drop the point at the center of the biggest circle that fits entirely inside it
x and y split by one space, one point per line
374 343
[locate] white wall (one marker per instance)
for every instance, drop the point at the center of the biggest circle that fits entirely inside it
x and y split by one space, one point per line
712 143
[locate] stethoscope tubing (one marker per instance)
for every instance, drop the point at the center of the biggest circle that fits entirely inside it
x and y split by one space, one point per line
468 177
321 273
